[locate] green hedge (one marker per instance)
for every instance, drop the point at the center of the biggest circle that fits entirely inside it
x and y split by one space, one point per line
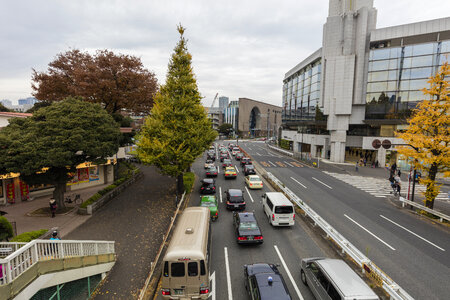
188 180
6 230
91 200
285 144
28 236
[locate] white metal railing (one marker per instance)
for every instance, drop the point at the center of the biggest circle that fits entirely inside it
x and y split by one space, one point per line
280 150
27 255
429 210
393 289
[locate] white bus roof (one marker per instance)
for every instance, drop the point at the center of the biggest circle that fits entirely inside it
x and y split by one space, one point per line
185 244
278 198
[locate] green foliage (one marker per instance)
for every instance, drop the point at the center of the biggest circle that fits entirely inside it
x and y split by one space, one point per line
28 236
6 230
188 181
3 108
38 105
319 114
119 181
91 200
57 137
178 130
225 129
285 144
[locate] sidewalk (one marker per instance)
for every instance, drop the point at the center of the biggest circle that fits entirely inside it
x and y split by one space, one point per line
65 222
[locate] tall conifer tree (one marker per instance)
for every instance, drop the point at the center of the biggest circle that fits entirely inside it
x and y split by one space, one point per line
178 129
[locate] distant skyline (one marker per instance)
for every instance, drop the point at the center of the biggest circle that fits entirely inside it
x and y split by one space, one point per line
239 48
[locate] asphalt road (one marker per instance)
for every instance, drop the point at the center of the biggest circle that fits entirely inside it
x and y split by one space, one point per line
413 251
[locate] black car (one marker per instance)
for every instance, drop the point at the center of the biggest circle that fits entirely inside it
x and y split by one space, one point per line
234 199
246 161
246 228
208 186
211 172
264 281
249 170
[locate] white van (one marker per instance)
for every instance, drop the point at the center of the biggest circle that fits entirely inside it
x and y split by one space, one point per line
278 209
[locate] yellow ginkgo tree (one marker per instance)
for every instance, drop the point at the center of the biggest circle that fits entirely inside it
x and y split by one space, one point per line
429 135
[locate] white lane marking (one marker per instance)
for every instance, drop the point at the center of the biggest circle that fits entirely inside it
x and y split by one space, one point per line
227 269
298 182
424 239
272 163
288 164
218 170
248 192
237 170
392 248
212 293
322 183
289 273
249 148
220 193
258 154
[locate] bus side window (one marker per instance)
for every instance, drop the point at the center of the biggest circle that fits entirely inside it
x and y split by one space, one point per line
166 269
202 268
193 269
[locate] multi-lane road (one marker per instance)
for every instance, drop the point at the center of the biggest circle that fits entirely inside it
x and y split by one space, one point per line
411 250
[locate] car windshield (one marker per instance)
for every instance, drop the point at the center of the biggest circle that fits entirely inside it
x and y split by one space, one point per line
249 167
254 179
208 204
212 169
250 225
227 161
236 199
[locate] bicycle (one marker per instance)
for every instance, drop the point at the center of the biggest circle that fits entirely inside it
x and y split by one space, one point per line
76 200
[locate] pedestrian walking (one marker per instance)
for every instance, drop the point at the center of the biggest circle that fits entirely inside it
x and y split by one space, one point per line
398 183
53 206
399 173
356 166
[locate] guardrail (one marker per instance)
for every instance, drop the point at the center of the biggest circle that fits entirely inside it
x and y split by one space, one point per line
28 255
428 210
281 150
393 289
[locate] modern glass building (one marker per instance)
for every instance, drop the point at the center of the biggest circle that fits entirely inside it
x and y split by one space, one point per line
361 85
231 114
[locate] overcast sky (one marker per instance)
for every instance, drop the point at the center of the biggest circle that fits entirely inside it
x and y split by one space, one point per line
239 48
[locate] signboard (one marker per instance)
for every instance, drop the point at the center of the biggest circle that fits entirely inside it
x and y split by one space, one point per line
10 193
386 144
23 189
376 144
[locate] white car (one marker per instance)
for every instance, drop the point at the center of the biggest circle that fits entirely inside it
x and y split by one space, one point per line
253 182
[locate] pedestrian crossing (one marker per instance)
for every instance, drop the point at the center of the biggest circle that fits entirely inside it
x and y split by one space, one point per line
281 164
380 187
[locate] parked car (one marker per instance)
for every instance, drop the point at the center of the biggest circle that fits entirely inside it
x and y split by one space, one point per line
246 228
227 163
208 186
211 203
333 279
246 161
249 170
239 155
253 182
264 281
209 163
211 171
234 199
230 172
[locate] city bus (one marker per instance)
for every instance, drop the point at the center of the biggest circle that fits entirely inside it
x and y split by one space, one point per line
185 272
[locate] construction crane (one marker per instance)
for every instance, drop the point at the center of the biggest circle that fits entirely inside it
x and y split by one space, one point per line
214 101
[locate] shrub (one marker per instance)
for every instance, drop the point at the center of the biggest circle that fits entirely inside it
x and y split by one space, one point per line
119 181
285 144
188 180
28 236
6 230
91 200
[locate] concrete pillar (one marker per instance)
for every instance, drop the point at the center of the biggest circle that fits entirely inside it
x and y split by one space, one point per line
313 150
381 157
338 138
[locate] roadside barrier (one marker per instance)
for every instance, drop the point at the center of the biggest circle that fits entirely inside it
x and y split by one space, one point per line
424 208
368 267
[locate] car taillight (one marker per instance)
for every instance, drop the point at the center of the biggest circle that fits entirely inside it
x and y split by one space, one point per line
217 213
293 217
165 292
273 217
251 184
202 188
204 291
228 202
214 187
242 238
258 237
